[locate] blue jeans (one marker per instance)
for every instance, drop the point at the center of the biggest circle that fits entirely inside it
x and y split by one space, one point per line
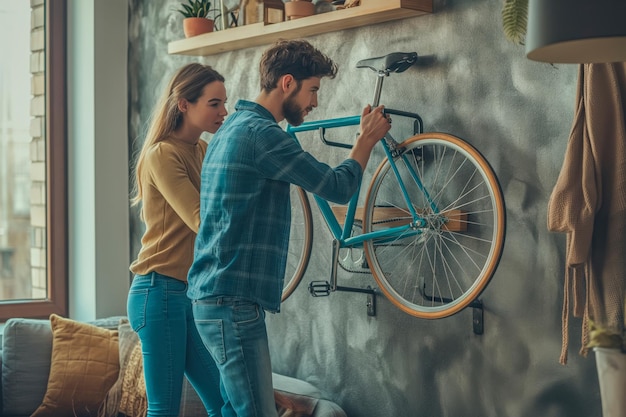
160 312
233 330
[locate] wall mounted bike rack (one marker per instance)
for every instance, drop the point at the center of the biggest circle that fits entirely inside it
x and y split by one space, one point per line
371 297
477 317
478 323
323 289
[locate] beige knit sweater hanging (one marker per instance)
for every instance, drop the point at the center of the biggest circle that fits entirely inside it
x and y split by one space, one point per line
588 202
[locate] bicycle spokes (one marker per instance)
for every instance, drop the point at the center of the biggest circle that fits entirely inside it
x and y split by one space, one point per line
445 259
300 241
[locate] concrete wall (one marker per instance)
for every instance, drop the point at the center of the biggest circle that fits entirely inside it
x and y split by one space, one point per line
518 113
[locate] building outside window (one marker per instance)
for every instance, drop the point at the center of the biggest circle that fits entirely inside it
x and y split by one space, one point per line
29 201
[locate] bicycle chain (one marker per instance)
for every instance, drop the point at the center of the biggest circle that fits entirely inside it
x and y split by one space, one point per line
353 271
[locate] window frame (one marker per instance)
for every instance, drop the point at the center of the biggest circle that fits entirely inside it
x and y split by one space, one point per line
56 174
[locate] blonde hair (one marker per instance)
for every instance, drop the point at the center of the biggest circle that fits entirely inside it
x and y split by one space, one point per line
188 83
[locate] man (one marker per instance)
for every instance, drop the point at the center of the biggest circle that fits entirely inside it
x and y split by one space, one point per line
241 247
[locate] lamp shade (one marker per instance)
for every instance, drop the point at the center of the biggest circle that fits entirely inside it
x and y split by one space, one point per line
576 31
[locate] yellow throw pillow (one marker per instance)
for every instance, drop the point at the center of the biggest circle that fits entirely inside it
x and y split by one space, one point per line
85 363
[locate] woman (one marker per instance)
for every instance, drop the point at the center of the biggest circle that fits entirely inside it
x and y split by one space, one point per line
167 184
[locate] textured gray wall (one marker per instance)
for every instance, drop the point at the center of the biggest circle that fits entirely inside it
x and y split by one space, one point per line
518 113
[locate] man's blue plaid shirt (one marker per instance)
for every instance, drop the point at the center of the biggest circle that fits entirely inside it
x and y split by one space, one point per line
241 247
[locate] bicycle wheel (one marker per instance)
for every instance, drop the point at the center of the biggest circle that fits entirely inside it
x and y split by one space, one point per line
438 267
300 241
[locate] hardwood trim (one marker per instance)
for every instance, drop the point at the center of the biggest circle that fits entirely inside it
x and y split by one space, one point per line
395 217
56 181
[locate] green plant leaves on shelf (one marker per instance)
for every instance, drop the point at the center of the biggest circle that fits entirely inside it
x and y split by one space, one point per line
195 8
514 20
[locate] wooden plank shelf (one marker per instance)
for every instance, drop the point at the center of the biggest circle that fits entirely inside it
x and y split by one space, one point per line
368 13
394 217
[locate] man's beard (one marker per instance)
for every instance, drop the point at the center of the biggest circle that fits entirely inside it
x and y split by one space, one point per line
292 112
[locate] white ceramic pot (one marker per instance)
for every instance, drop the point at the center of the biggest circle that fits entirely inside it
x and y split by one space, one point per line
611 364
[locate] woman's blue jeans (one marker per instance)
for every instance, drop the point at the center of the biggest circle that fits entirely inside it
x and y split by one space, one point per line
233 330
161 314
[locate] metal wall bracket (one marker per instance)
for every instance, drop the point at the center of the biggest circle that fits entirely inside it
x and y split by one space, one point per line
371 297
477 317
371 304
478 323
323 288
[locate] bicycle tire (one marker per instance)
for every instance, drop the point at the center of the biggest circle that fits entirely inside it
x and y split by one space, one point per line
435 270
300 241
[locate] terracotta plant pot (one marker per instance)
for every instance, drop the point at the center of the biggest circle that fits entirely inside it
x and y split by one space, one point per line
193 26
296 9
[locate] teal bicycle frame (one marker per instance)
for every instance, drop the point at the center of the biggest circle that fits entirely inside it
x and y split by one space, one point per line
343 235
412 166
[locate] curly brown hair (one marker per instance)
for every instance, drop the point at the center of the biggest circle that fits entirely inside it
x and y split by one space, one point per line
296 57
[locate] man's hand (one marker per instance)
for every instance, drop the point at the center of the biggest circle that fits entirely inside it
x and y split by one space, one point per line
374 126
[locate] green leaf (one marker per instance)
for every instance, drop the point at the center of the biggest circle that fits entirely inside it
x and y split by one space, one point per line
514 20
195 8
602 337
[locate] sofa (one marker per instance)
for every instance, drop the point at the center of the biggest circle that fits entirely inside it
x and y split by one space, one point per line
37 373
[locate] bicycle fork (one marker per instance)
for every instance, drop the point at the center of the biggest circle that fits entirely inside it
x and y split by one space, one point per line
324 288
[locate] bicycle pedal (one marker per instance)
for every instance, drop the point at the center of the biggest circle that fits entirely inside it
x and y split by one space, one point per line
319 288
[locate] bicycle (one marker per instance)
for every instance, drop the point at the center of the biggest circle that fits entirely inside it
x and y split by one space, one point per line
433 224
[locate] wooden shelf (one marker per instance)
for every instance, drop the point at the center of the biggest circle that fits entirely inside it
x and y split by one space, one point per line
368 13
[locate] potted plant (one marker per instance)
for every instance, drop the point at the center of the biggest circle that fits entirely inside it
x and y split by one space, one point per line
296 9
196 21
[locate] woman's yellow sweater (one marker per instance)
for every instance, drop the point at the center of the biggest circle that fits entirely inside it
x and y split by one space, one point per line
170 207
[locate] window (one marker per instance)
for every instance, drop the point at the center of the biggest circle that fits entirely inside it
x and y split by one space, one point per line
33 183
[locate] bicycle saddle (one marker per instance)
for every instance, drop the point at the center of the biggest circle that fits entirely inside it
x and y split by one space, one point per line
393 62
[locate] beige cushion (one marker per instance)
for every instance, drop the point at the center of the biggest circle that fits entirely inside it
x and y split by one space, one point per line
128 394
85 363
